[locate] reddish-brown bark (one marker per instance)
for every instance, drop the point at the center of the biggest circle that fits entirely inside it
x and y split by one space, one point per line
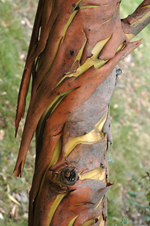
74 49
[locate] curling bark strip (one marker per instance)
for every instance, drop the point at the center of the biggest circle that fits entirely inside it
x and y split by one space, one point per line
74 49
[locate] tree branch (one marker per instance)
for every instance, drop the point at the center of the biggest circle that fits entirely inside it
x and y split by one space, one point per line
135 22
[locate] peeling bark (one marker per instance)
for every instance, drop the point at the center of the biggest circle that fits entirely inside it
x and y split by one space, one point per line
74 49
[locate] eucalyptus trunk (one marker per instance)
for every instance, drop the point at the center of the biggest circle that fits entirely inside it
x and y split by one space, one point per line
73 53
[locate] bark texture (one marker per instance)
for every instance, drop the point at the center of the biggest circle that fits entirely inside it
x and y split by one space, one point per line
74 49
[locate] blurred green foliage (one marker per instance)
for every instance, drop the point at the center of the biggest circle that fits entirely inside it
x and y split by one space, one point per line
15 32
130 112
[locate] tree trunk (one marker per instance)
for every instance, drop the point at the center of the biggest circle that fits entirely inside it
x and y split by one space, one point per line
73 53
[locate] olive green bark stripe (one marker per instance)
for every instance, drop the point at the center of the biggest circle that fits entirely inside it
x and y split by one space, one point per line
39 61
92 6
53 4
99 203
66 28
93 137
53 161
62 36
51 108
93 61
95 174
57 150
92 221
55 205
146 6
89 222
80 53
47 114
140 20
77 3
72 221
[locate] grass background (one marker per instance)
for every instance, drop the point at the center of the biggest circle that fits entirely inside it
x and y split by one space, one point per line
128 199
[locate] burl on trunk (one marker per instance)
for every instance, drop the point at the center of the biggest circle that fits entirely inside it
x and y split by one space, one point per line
74 49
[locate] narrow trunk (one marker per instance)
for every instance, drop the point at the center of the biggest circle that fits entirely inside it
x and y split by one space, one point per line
74 49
